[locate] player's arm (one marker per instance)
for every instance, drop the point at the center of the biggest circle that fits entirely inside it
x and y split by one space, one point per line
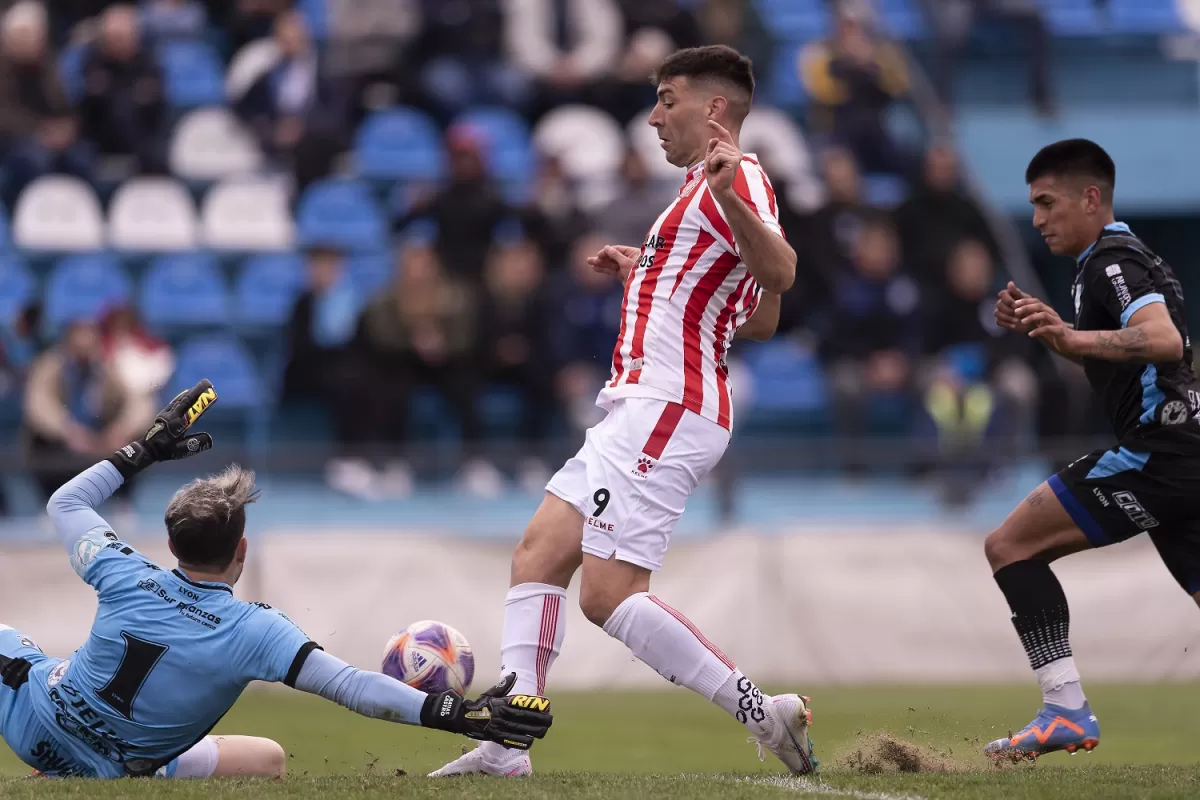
1150 337
767 255
72 508
494 716
1008 318
765 319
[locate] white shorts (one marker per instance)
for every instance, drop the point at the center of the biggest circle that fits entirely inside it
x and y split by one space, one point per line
633 475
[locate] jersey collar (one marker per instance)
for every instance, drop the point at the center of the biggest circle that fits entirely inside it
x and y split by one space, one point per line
217 587
696 170
1115 227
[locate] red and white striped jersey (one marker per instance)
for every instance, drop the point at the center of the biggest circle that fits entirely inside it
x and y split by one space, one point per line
686 297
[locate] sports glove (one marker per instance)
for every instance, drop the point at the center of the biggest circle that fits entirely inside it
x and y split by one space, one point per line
165 441
511 720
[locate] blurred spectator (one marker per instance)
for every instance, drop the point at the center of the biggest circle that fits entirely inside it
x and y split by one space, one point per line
874 336
20 342
174 19
585 320
653 29
38 128
833 231
952 21
76 410
298 113
421 332
979 379
853 78
140 361
249 20
513 327
461 53
322 364
565 46
937 215
638 202
553 215
124 111
466 210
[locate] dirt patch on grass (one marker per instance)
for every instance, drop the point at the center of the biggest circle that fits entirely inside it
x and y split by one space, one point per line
882 754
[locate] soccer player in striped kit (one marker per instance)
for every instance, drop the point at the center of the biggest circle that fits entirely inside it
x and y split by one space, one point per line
712 267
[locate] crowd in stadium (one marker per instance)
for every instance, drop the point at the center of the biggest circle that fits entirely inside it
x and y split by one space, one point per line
446 166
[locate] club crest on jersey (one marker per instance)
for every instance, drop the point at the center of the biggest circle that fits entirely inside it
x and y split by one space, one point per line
56 675
644 465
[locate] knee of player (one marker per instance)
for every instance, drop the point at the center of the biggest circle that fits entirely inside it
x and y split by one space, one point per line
597 603
274 759
998 548
539 559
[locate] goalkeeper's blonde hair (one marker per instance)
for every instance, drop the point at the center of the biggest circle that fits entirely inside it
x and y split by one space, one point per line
206 518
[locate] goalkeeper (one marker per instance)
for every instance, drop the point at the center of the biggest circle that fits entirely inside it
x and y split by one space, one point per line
171 650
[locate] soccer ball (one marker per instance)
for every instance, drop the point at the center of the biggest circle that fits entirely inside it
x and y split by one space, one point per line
430 656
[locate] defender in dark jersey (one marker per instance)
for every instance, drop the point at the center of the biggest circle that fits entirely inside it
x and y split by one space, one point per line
1131 337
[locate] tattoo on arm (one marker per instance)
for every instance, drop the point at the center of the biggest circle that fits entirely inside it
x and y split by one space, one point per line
1122 345
1037 498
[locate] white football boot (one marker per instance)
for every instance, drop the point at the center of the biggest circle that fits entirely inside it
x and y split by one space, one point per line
488 759
790 741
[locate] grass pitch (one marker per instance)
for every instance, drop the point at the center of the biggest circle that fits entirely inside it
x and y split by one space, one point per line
670 745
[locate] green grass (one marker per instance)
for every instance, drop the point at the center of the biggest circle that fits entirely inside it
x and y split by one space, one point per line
670 745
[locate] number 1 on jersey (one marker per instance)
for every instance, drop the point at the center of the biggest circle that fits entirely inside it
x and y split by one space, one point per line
137 662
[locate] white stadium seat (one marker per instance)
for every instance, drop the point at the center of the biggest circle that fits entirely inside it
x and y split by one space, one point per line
152 215
58 213
587 140
247 215
210 144
778 141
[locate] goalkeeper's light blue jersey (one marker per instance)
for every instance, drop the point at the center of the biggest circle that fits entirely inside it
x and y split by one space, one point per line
166 657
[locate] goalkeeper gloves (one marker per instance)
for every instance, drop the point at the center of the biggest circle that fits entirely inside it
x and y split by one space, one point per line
165 441
511 720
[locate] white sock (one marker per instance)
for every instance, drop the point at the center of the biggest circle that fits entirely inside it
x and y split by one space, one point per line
1060 684
669 643
535 617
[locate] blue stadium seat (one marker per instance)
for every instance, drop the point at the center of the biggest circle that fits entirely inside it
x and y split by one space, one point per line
795 20
1073 18
317 14
784 87
83 286
267 288
509 153
1146 16
225 361
17 287
184 290
400 144
192 74
787 377
341 212
70 69
370 273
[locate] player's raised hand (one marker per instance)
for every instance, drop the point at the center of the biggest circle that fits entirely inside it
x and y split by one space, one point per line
615 259
513 721
1044 323
722 159
168 438
1006 309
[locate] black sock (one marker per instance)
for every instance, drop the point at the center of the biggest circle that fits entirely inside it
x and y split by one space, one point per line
1039 610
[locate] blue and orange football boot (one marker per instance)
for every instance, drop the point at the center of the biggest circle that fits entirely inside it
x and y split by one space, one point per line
1055 728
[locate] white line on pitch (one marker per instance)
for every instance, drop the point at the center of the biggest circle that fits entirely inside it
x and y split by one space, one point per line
812 786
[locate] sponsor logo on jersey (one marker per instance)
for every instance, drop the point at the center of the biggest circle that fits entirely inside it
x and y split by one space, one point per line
1133 509
1077 296
1174 412
1118 284
25 640
598 524
77 718
47 759
1100 496
644 465
56 675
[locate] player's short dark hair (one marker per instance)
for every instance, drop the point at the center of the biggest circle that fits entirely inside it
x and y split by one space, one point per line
1075 158
714 62
207 518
